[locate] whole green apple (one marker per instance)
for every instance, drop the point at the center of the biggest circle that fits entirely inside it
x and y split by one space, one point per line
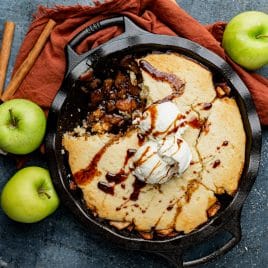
22 126
29 196
245 39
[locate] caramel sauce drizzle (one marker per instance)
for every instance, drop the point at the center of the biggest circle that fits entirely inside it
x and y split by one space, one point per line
85 175
153 169
169 97
153 115
216 163
141 139
225 143
195 123
179 142
207 106
140 161
172 128
130 153
172 79
137 186
108 189
116 178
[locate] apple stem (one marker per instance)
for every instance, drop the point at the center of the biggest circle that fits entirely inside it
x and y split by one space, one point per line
45 193
13 119
261 36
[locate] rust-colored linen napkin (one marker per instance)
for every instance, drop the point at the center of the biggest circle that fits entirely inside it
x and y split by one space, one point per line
157 16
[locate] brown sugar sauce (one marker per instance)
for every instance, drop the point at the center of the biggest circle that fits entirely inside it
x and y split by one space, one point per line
85 175
158 75
137 186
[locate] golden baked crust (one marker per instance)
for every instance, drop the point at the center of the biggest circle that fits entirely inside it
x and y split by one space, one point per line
157 207
223 159
183 203
199 87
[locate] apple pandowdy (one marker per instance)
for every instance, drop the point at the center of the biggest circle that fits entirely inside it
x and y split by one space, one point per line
103 151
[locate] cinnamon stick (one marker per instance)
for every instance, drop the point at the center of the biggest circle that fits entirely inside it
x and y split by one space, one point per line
28 62
5 51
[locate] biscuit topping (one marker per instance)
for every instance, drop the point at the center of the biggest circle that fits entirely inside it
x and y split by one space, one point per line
175 82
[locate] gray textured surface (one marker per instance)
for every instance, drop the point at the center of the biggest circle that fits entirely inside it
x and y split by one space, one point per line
61 242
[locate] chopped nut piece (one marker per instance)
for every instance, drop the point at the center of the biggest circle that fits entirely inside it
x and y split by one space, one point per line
171 234
227 90
147 236
119 225
213 209
126 105
220 92
164 232
220 190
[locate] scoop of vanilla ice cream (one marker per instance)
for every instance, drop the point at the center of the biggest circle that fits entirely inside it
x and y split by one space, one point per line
175 150
165 153
150 167
160 120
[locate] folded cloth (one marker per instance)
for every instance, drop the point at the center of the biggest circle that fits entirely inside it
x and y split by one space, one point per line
156 16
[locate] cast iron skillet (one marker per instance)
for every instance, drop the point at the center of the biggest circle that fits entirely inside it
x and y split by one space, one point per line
64 116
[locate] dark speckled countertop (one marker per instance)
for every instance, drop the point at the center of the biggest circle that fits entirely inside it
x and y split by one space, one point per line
60 241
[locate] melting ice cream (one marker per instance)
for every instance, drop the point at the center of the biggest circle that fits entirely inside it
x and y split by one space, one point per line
165 153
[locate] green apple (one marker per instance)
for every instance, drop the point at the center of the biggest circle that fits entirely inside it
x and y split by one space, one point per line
29 196
245 39
22 126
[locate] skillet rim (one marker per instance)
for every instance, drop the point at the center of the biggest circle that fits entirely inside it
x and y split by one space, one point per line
230 75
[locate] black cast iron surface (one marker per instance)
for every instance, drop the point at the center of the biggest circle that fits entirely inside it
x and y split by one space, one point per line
57 244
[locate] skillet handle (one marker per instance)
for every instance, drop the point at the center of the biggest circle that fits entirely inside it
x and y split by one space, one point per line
233 227
130 29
